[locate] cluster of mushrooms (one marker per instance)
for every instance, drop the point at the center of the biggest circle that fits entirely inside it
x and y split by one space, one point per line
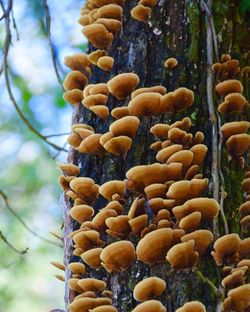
143 10
244 209
230 91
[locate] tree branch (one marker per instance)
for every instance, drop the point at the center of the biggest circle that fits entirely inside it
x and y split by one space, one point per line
12 211
4 239
52 50
7 42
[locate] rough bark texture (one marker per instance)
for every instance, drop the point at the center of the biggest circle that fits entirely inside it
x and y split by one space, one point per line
177 28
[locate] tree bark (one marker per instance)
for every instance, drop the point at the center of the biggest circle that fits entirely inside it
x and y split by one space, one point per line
182 29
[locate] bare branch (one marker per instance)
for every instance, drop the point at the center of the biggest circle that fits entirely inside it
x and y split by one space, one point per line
12 211
56 135
52 49
9 89
4 239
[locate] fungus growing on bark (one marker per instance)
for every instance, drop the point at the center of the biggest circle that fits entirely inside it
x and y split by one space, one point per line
104 308
74 96
85 304
150 306
183 255
199 151
233 102
119 112
95 100
105 63
234 127
157 89
229 86
118 256
73 285
100 110
92 257
78 61
68 169
245 185
155 190
149 288
94 56
226 248
91 284
171 62
115 205
111 11
152 248
122 85
238 299
244 263
145 104
91 145
75 80
81 213
118 145
237 144
192 306
77 267
111 24
118 226
100 219
88 239
177 101
85 188
141 13
190 222
60 277
234 279
98 35
138 224
245 248
127 126
202 239
208 207
113 190
184 157
58 265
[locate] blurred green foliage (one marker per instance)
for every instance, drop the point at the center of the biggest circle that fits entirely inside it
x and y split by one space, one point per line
28 173
244 5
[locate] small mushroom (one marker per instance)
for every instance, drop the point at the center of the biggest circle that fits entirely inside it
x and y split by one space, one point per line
77 267
149 288
127 126
92 257
229 86
202 239
91 284
235 127
190 222
122 85
171 62
238 299
81 213
113 190
118 145
141 13
192 306
98 35
105 63
150 306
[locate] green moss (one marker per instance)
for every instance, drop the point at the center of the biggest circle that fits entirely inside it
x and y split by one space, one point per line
193 12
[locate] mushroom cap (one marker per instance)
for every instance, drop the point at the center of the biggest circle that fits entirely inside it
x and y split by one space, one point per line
77 267
177 101
192 306
73 285
208 207
100 219
127 126
202 239
118 145
100 3
148 3
238 299
145 104
75 80
235 127
158 89
99 88
91 145
85 188
115 205
122 85
73 96
95 100
199 151
118 256
86 304
141 13
245 248
163 214
120 112
191 222
88 239
155 190
184 157
78 61
98 35
171 62
100 110
234 279
91 284
68 169
153 246
160 130
104 308
157 204
183 190
244 263
118 226
224 246
149 288
164 154
234 102
105 62
245 185
111 11
141 176
138 224
112 188
112 25
81 213
150 306
94 56
229 86
183 255
58 265
237 144
92 257
137 208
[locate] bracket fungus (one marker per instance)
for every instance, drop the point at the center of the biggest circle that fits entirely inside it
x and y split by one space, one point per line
81 213
192 306
122 85
171 63
229 86
141 13
152 248
127 126
105 63
149 288
150 306
118 256
202 239
238 299
183 255
113 190
92 257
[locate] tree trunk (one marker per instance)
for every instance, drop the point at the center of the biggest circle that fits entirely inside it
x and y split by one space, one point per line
183 29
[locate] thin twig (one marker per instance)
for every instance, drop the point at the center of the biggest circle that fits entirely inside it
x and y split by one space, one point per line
52 49
15 25
4 239
9 89
12 211
210 284
56 135
58 152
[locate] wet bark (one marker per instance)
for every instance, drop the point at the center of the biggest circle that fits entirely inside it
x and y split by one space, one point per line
177 29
